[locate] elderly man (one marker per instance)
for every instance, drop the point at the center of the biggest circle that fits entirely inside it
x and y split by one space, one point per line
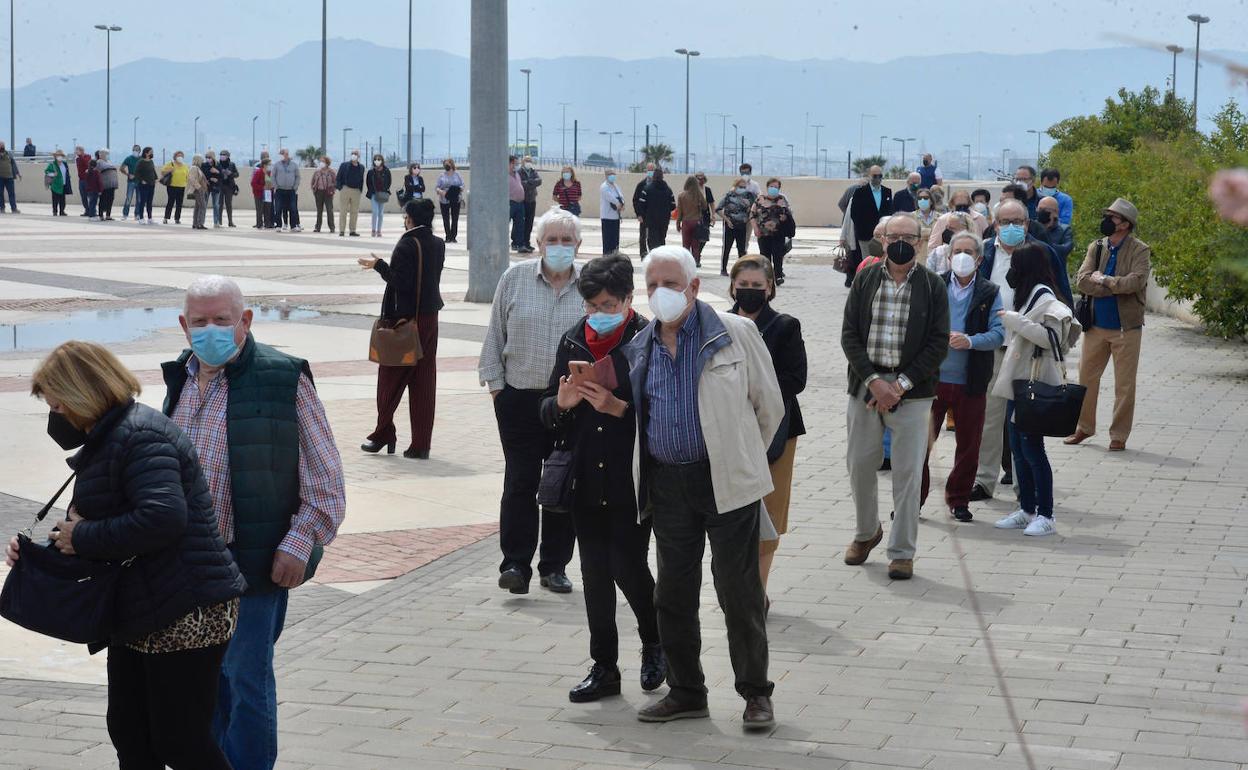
975 332
515 205
29 150
895 335
708 405
1025 177
9 173
870 202
1059 236
286 194
929 172
277 484
350 182
959 202
1115 274
82 162
127 169
904 202
530 180
639 208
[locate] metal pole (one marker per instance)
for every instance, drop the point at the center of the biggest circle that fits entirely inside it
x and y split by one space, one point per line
195 130
409 82
790 160
1198 19
687 112
12 86
723 137
253 138
134 134
968 161
634 109
108 87
449 110
563 131
487 206
1003 152
344 144
576 135
324 76
527 140
397 135
817 126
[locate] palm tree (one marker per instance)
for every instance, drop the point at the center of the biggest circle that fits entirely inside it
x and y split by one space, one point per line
861 165
309 154
657 154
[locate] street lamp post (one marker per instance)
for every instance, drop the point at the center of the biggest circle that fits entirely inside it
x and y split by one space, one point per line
516 111
449 110
723 137
408 147
563 132
195 130
541 142
12 84
790 158
736 133
634 109
134 131
1003 153
108 29
610 143
862 119
903 147
344 142
253 136
688 55
825 159
882 138
968 161
1198 20
817 126
281 141
1038 134
527 72
324 76
1174 67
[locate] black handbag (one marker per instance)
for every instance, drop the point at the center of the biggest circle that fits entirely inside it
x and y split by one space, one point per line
557 489
1084 308
1047 410
65 597
781 439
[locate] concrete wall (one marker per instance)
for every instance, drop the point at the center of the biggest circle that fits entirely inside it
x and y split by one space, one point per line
813 200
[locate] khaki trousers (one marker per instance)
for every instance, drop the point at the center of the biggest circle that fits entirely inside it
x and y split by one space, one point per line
1099 345
350 203
866 451
994 421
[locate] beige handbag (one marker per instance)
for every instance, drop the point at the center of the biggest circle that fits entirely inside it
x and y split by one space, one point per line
397 342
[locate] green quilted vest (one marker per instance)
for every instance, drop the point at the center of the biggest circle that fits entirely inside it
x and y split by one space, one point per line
263 434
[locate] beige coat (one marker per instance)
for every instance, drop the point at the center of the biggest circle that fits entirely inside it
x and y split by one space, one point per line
1129 282
1026 332
196 182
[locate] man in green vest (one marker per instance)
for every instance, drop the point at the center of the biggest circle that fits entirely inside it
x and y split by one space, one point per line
275 475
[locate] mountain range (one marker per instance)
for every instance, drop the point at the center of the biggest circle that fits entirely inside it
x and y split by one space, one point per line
935 102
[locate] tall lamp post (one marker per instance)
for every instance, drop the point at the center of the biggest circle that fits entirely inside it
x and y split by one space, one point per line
134 131
1003 153
790 158
882 138
12 85
825 159
1198 20
903 147
968 161
610 143
736 140
723 137
324 76
253 136
541 142
527 72
408 146
1038 134
817 126
688 55
108 29
516 111
449 110
195 130
634 108
344 142
1174 67
563 132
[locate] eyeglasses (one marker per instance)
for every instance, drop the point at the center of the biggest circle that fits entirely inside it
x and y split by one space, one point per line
1012 221
911 239
611 307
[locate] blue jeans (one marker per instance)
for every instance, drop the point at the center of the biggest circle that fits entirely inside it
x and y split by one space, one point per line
1031 468
6 189
379 211
144 194
517 223
282 205
216 207
90 199
245 724
888 443
131 189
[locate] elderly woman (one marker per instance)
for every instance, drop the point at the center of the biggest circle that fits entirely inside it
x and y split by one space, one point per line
377 190
955 222
959 203
197 190
140 494
567 191
535 302
610 209
734 208
108 185
413 292
773 225
324 184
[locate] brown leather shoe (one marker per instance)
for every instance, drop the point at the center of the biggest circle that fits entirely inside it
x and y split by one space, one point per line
1078 438
859 550
901 569
759 714
669 709
1117 446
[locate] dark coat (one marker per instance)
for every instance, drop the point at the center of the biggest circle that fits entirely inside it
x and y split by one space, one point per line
904 202
212 172
979 362
403 272
142 494
1056 264
412 186
350 175
783 335
601 444
377 180
863 212
659 201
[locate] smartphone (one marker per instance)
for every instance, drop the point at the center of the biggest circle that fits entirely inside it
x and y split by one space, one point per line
581 372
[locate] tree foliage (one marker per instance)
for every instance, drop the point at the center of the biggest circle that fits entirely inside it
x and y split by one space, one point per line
861 165
309 154
658 154
1143 115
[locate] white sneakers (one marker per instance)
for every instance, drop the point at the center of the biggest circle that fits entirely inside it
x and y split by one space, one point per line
1031 524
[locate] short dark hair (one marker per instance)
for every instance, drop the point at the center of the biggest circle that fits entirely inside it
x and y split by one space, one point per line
511 158
420 211
979 192
147 151
1030 264
612 274
1050 173
1031 170
745 165
1016 190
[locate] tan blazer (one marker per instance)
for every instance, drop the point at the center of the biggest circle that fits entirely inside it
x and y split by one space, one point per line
1129 282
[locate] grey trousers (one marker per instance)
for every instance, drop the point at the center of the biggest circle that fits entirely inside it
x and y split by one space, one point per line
994 420
866 451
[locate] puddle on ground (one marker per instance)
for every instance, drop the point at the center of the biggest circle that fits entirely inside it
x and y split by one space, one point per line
105 326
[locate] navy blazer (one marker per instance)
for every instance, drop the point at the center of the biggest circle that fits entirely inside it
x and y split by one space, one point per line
1055 263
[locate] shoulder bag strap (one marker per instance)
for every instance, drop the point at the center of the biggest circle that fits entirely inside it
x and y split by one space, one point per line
43 512
420 271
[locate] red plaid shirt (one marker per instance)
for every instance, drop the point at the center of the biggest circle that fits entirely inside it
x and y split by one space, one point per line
322 495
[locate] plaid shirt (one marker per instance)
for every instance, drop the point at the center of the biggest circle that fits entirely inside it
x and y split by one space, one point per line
674 432
526 323
322 496
890 313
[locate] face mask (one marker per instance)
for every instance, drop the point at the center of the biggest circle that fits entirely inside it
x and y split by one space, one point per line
743 190
1023 183
773 191
875 180
325 164
875 248
963 207
1108 227
605 323
914 188
213 345
1011 278
650 174
963 264
377 163
446 169
947 235
567 177
63 432
927 162
137 150
1012 235
1044 217
745 176
751 300
559 257
900 252
924 204
527 165
668 304
611 178
355 158
177 158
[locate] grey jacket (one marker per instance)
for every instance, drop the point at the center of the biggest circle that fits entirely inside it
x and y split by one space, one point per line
531 180
286 174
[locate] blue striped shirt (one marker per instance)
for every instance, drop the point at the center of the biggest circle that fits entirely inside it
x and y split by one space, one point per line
674 432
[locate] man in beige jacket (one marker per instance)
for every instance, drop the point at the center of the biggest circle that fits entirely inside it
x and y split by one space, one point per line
1115 274
707 405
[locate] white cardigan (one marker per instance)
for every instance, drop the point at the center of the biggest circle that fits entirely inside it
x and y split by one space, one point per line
1026 332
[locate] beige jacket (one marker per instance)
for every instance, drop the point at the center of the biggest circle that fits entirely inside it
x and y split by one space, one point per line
739 407
1129 282
1027 331
196 182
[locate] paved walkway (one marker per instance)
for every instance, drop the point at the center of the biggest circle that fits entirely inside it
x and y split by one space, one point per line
1121 639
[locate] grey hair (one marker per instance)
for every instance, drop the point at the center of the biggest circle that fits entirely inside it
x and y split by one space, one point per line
212 287
968 235
678 254
560 219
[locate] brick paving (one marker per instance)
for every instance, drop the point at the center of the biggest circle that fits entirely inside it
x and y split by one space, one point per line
391 554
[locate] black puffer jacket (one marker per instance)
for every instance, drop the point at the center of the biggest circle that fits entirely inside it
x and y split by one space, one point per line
142 494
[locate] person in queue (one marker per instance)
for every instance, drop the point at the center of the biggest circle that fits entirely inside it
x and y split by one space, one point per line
450 188
197 191
286 176
269 457
752 288
895 336
690 207
58 181
869 202
639 207
659 202
530 180
145 178
536 300
140 494
176 171
262 194
567 191
229 185
707 406
610 210
734 210
108 185
413 279
324 183
939 259
413 185
211 170
10 172
906 201
1050 181
1059 237
515 206
771 219
377 186
597 425
350 182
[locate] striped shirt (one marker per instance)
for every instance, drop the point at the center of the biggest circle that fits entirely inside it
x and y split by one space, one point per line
322 496
527 321
674 432
889 315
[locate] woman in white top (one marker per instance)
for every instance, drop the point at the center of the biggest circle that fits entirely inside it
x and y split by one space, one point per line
610 207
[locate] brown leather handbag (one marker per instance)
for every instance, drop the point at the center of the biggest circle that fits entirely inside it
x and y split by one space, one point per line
396 342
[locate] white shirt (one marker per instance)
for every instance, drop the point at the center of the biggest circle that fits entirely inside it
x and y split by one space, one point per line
1001 266
607 194
754 188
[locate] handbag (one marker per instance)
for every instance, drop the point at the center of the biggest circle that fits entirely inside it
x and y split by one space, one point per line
166 178
65 597
1084 308
781 439
381 195
557 489
1047 410
840 258
397 342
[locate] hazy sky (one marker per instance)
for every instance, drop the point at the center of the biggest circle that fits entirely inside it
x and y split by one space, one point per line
58 38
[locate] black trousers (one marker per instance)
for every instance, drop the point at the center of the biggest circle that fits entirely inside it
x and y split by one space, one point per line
614 549
160 708
227 203
105 206
450 220
526 444
643 245
530 210
739 235
174 204
58 204
772 247
684 518
656 233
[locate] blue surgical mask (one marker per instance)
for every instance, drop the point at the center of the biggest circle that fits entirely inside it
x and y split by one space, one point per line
559 257
213 345
1012 235
650 174
1046 192
605 323
925 204
611 178
773 191
567 176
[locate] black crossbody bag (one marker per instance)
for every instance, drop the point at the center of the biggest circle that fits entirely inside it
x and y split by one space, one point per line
1084 308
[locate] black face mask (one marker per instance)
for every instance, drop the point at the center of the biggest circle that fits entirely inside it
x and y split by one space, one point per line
1046 216
63 432
947 235
962 207
1011 278
900 252
1108 227
751 300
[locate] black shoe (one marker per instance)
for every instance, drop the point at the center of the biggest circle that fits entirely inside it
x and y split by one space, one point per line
887 465
373 447
779 280
961 513
1007 479
557 583
416 454
979 494
601 682
354 235
653 666
514 580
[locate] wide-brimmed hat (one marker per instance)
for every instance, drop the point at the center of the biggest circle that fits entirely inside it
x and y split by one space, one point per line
1125 209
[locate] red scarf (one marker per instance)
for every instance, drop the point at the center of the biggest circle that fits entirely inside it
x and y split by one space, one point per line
601 346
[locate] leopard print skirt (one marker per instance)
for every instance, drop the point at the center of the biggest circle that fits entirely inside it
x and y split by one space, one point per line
201 627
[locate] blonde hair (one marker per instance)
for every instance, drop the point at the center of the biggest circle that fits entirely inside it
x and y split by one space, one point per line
86 379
